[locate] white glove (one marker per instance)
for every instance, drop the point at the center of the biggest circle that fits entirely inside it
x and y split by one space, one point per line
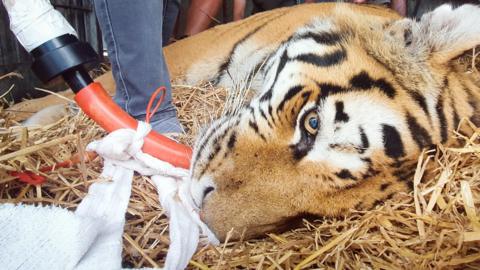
35 22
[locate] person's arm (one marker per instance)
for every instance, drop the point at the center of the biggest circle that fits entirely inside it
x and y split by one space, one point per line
239 9
200 15
400 6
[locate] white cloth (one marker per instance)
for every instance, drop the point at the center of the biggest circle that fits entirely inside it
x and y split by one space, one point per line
49 237
35 21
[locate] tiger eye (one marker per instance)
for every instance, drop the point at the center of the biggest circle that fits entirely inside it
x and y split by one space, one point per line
312 122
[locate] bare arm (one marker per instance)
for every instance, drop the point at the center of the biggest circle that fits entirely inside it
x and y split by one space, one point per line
201 14
239 9
400 6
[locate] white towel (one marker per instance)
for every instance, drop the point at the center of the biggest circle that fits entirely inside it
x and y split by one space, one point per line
34 237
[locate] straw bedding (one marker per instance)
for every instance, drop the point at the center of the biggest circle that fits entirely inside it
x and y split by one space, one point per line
436 226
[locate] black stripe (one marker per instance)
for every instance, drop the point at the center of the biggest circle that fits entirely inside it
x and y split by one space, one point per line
217 143
207 190
364 139
392 142
305 97
325 60
384 186
371 172
419 134
367 160
406 175
216 140
442 119
358 206
232 140
397 163
254 122
407 36
475 118
364 82
377 203
359 82
382 201
226 64
473 102
455 117
327 89
340 115
270 112
214 153
207 137
281 65
289 95
254 126
324 38
345 174
385 87
420 99
263 115
218 146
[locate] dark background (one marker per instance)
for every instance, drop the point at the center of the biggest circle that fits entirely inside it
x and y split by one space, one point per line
80 13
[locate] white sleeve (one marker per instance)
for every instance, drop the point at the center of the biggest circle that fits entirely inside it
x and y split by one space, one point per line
35 21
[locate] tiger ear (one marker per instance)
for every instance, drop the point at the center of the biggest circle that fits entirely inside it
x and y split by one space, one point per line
442 34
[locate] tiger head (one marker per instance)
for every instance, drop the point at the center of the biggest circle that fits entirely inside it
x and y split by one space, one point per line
348 103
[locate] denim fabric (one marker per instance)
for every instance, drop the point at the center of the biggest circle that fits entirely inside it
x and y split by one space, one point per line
170 14
132 30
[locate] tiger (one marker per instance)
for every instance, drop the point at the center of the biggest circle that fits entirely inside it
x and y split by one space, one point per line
346 99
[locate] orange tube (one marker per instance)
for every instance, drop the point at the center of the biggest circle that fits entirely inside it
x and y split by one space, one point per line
98 105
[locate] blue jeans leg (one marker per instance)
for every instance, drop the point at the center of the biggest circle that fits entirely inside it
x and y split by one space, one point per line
133 35
170 14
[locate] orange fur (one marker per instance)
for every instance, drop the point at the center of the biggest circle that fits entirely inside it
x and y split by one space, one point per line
259 184
396 90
